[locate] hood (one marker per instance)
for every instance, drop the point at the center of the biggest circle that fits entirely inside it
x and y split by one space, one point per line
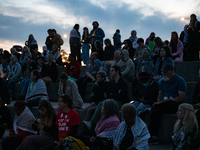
98 62
126 54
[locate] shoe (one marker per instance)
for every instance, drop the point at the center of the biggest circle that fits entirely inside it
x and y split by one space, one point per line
88 124
153 141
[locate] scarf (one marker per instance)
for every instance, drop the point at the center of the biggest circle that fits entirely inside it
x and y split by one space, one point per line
140 133
106 128
37 91
75 33
92 40
23 121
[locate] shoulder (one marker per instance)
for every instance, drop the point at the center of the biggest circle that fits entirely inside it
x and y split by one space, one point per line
73 113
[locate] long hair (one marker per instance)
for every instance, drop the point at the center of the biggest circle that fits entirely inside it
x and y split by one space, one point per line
158 41
188 119
85 28
47 119
167 51
195 19
110 108
174 43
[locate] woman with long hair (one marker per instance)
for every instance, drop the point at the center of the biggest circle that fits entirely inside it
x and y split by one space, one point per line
85 46
45 128
176 47
106 126
186 129
165 58
31 43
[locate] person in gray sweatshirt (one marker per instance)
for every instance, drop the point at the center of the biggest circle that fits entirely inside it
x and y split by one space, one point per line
129 72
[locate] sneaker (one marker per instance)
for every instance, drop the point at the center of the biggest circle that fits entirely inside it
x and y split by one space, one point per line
88 124
153 141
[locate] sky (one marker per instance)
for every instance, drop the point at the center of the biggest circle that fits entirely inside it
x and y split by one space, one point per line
19 18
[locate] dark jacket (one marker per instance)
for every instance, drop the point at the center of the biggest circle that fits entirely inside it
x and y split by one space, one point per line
52 71
117 40
51 130
109 52
30 67
42 69
5 117
149 93
118 91
49 42
99 91
4 92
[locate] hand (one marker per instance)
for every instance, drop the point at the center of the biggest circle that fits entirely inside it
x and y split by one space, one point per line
94 72
93 104
11 135
41 127
57 142
92 139
119 91
101 68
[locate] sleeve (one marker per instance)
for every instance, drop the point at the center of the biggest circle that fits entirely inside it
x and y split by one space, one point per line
75 94
17 72
151 68
181 85
121 93
179 49
128 67
190 139
75 120
102 34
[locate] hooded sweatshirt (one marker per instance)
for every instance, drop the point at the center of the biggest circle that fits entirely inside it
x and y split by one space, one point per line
98 63
129 65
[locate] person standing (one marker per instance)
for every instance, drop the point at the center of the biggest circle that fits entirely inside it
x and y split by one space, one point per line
193 38
85 45
117 40
96 34
74 42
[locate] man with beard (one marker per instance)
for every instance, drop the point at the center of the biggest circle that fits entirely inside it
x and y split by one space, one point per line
96 34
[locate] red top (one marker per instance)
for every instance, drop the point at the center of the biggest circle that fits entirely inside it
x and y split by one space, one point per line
66 121
73 69
21 133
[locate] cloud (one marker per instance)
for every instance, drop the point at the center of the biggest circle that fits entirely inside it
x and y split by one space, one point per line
171 8
41 12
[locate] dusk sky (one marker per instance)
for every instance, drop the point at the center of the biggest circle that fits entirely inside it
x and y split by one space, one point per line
19 18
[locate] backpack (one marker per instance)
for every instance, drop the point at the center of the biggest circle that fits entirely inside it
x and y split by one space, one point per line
71 143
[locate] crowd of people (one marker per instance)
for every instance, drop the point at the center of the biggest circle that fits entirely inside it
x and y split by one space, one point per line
148 65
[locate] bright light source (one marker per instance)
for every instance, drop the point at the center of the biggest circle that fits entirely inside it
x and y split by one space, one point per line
183 18
65 35
5 104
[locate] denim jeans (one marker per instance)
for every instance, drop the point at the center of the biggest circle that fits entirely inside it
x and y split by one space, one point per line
85 52
24 85
140 106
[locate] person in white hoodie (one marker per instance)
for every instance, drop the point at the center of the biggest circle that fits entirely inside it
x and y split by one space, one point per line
129 71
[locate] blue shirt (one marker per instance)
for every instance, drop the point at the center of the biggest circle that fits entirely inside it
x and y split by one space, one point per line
171 89
101 35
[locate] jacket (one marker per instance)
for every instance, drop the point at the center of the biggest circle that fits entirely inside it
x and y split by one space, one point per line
74 69
129 65
99 91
